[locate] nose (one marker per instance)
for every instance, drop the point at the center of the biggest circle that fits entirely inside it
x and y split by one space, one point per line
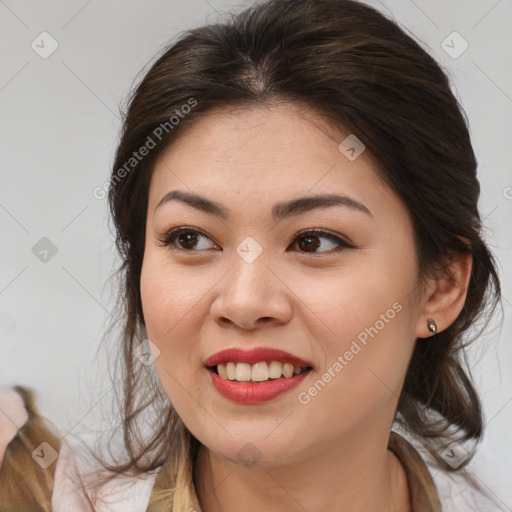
250 295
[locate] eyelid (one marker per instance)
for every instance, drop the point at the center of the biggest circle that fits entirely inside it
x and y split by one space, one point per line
343 243
325 233
173 233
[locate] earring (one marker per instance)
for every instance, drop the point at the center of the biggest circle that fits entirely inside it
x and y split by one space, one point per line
431 325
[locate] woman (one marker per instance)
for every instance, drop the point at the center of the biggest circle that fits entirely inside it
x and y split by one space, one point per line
295 201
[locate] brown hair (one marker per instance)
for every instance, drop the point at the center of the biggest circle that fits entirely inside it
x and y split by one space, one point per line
360 71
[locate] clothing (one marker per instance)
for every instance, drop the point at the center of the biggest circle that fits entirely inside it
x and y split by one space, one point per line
28 487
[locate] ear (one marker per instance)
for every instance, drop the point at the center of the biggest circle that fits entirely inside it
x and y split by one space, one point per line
445 295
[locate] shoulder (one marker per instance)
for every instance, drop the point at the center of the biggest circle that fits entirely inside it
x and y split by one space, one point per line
30 447
455 490
80 486
13 416
41 470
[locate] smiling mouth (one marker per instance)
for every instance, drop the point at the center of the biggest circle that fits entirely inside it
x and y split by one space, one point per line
258 372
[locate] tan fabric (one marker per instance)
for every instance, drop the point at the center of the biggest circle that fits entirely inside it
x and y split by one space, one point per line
26 487
422 491
27 474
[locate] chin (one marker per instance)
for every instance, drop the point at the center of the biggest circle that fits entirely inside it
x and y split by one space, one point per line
254 451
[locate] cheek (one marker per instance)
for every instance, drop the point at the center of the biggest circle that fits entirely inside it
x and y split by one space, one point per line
167 303
362 321
175 307
168 293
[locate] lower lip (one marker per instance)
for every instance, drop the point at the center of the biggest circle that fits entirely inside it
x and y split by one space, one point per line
253 393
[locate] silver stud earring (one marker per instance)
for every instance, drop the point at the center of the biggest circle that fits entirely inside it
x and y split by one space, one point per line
431 325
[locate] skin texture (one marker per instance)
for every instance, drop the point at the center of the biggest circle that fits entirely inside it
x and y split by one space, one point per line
331 453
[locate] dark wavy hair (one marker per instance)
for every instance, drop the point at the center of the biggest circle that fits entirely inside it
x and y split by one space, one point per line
360 71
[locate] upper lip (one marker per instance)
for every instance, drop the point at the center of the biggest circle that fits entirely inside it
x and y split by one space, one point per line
254 355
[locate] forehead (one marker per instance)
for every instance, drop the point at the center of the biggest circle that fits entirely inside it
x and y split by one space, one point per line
265 153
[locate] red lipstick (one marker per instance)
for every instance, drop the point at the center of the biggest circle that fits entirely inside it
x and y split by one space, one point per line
254 355
254 392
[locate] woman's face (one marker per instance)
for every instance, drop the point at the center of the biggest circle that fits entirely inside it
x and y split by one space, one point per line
248 275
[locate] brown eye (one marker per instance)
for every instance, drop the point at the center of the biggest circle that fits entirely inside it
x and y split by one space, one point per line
184 239
190 240
310 241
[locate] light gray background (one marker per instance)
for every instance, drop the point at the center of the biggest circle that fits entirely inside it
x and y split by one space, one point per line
59 126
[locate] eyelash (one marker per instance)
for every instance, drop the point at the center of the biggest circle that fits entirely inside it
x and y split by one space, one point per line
170 237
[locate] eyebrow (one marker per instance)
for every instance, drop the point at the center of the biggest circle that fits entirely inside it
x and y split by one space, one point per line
279 211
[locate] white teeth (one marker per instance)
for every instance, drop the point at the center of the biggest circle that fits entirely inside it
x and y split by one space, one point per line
231 371
243 372
221 368
258 372
275 369
287 370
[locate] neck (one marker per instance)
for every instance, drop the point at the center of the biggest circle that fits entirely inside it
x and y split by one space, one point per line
358 476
